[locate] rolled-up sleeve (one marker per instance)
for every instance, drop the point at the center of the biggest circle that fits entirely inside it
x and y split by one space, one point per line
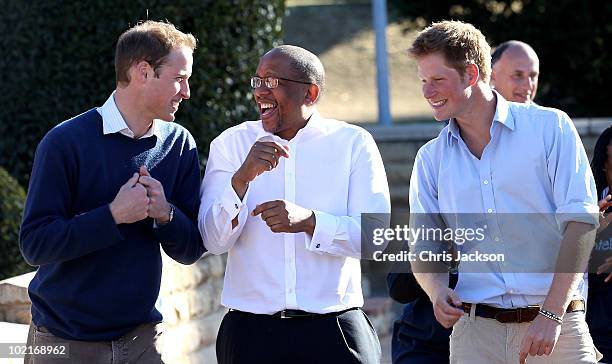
574 190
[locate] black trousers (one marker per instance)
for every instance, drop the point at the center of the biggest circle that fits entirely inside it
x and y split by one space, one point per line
337 338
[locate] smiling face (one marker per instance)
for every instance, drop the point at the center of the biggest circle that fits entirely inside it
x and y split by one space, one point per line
163 93
442 86
515 74
282 109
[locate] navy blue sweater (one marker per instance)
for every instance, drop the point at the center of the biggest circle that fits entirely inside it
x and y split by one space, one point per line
98 280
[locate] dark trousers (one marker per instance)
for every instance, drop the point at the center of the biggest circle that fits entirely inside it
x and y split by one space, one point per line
337 338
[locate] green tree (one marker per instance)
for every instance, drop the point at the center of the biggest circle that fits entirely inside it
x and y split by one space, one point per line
12 198
58 61
572 38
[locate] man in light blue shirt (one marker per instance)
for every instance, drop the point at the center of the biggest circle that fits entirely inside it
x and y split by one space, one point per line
518 174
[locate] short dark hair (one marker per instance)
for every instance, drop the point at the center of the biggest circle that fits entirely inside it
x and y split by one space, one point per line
308 66
149 41
600 155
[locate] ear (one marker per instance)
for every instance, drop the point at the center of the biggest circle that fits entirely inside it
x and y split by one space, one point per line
472 73
312 94
141 71
492 78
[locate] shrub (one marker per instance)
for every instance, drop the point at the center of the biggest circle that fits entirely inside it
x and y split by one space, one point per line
58 61
12 199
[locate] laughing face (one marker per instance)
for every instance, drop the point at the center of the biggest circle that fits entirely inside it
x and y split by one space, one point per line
164 92
442 86
281 108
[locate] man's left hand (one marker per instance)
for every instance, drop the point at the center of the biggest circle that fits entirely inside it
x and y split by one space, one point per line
285 217
606 266
540 339
159 208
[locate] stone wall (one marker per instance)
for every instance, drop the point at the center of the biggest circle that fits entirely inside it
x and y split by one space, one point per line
190 295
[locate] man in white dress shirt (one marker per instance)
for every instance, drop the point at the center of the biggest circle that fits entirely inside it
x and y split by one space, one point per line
283 196
501 163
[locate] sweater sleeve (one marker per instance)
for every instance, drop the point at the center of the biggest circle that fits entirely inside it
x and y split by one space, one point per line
181 238
51 232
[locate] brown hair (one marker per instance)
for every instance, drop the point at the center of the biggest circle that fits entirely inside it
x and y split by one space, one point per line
459 43
149 41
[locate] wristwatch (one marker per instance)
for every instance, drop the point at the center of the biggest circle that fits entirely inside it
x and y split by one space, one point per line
170 215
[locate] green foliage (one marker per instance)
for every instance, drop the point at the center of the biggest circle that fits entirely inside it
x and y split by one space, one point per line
572 38
12 199
58 61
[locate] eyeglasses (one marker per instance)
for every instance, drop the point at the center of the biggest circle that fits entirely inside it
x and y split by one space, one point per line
271 82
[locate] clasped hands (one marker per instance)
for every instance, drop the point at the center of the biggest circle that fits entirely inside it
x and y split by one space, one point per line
140 197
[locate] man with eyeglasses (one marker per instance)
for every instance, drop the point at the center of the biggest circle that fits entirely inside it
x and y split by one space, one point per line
283 196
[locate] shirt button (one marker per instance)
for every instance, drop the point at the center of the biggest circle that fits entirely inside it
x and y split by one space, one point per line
497 239
290 290
490 210
485 227
318 246
236 206
485 182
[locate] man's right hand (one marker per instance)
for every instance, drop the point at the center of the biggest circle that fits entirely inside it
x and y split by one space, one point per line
131 203
445 305
262 157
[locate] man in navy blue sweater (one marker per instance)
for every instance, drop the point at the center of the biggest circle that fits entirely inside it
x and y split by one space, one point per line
108 188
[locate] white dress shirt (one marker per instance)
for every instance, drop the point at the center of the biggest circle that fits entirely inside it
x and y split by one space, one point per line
113 122
534 163
334 169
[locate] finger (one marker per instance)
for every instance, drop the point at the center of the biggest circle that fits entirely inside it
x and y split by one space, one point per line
281 150
455 299
525 346
542 350
132 181
269 159
140 188
451 311
148 181
608 278
278 228
269 213
535 347
263 207
275 220
143 171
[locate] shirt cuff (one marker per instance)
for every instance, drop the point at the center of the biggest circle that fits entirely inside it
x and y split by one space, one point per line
579 212
324 233
231 203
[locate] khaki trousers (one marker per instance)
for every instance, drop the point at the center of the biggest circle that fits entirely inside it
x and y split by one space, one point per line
478 340
137 346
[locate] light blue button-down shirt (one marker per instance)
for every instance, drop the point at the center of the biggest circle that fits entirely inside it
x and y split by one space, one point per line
535 163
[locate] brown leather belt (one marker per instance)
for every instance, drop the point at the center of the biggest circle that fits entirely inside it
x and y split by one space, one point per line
515 315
